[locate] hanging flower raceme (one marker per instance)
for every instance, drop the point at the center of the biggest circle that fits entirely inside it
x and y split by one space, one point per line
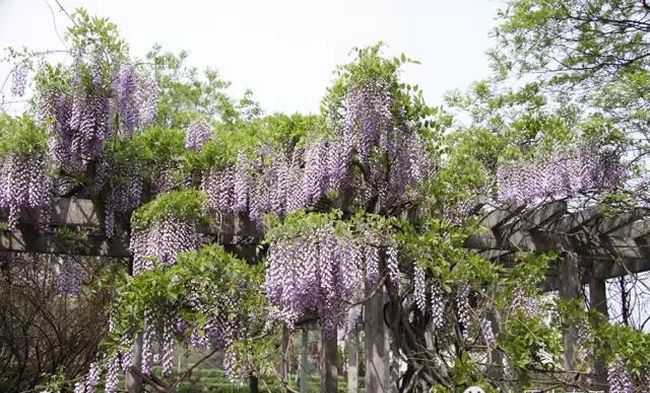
388 147
437 306
25 182
319 269
368 120
256 186
137 99
464 309
419 288
19 79
281 179
586 170
126 190
166 227
197 135
163 229
623 381
79 117
70 275
162 242
219 185
98 104
107 368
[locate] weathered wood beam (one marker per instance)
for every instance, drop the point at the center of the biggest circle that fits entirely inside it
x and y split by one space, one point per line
507 233
497 217
633 230
29 240
620 222
66 211
608 268
575 220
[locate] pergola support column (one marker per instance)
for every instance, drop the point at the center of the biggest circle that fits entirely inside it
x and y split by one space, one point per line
598 303
304 360
328 367
352 352
377 371
570 284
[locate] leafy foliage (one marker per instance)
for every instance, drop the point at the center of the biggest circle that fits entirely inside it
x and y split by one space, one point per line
187 205
203 273
187 94
21 136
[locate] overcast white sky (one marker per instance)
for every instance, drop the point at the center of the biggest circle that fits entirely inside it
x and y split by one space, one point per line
284 50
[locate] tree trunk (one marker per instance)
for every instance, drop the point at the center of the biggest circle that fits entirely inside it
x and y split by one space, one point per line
377 380
328 369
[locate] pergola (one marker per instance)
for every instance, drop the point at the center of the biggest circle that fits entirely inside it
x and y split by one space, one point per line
593 247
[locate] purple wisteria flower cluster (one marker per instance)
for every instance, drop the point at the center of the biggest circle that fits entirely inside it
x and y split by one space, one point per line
197 135
84 117
19 79
25 183
136 99
318 273
71 275
562 175
162 241
392 155
620 380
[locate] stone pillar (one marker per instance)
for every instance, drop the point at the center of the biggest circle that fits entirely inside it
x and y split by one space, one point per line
598 303
569 281
377 377
304 361
328 367
352 352
284 346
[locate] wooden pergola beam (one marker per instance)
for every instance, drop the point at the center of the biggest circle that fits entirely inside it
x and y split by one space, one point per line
622 248
28 240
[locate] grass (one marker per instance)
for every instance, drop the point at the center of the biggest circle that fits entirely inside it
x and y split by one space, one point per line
213 380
